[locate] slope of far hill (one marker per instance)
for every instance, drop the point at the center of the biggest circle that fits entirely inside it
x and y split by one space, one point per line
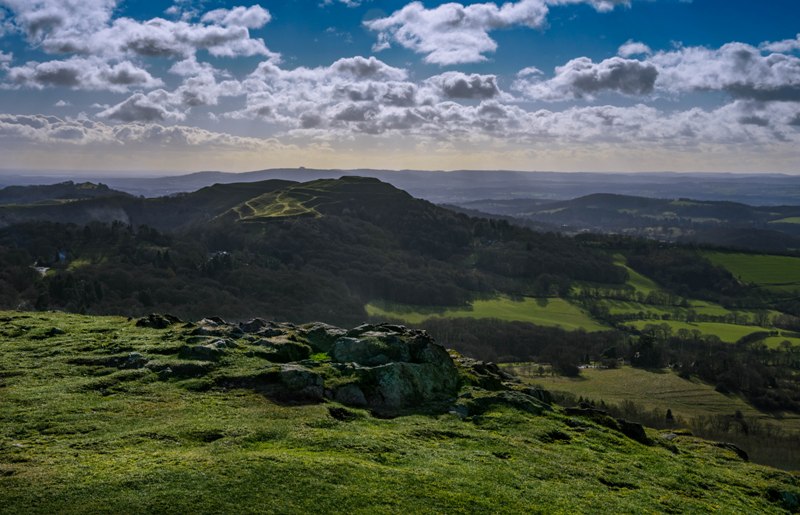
102 415
54 193
727 224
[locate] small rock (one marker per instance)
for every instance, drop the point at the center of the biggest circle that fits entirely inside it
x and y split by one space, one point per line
208 352
732 447
342 414
253 326
135 360
55 331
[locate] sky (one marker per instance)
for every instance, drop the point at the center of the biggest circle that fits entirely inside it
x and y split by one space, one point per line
146 87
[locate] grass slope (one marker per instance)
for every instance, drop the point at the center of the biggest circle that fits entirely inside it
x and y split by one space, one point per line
637 281
659 390
729 333
780 273
548 312
78 439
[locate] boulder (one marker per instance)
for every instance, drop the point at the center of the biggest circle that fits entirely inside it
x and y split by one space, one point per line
370 351
485 375
283 350
741 453
216 327
156 321
212 351
538 393
301 384
254 325
632 430
321 336
363 328
402 385
135 360
350 394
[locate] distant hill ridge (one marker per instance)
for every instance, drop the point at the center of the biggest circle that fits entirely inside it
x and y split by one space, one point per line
62 191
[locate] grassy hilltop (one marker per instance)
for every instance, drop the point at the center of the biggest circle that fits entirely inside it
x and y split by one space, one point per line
93 422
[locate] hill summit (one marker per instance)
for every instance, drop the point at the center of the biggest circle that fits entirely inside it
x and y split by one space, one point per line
104 413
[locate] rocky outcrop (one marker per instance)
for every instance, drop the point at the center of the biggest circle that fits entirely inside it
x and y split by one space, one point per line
388 369
394 367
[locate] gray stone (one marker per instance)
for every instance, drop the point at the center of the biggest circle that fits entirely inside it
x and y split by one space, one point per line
253 326
283 350
156 321
407 385
370 351
350 394
321 336
207 352
301 383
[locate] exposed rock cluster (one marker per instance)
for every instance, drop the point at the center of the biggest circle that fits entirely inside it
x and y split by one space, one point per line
388 369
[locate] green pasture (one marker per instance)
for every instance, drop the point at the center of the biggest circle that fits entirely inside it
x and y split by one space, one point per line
779 273
699 307
543 311
729 333
659 390
789 220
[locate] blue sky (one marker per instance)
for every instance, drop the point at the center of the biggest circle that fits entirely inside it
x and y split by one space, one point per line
568 85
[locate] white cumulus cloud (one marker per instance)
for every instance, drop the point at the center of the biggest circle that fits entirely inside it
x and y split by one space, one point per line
82 73
454 33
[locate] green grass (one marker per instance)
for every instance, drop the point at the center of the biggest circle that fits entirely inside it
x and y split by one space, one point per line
780 273
93 439
774 342
618 307
277 205
660 390
637 281
729 333
789 220
554 312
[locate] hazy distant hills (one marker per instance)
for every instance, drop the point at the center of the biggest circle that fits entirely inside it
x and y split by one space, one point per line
467 185
770 228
